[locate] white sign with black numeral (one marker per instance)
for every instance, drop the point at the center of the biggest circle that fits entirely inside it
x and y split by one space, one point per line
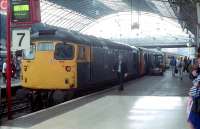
21 39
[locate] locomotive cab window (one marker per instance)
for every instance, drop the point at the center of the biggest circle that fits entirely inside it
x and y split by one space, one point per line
63 51
29 54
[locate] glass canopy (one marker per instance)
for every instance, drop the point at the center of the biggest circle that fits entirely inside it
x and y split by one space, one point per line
145 29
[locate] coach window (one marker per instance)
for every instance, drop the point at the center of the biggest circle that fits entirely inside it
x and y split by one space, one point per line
82 53
64 51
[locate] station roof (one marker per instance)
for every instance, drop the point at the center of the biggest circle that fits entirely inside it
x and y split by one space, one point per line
186 13
78 14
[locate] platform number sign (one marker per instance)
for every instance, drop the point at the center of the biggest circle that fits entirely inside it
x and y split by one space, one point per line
20 39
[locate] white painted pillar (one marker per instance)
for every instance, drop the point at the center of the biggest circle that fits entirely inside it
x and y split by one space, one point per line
197 25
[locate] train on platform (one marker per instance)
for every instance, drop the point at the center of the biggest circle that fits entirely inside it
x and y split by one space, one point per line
60 61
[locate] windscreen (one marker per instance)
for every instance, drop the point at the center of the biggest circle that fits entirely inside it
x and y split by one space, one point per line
29 54
64 51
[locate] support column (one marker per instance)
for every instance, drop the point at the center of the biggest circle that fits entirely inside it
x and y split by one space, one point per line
0 31
197 25
8 60
197 36
0 56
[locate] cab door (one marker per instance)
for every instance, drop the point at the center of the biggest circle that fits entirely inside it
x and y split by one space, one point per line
83 65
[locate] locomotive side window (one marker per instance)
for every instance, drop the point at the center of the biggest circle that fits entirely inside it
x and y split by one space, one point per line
45 46
29 54
63 52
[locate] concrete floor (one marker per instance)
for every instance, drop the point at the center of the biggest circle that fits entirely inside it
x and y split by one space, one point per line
151 102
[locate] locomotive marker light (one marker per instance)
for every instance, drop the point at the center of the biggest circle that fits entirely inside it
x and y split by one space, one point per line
20 39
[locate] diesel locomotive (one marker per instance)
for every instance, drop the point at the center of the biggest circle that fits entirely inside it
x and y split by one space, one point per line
61 60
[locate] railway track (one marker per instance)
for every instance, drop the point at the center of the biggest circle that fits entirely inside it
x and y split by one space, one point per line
17 107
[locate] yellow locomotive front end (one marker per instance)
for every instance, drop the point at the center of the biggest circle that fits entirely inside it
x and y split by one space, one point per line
49 65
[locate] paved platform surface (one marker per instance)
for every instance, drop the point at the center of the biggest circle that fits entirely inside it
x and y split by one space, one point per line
151 102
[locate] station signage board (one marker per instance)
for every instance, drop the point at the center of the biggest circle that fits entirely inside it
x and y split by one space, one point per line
20 39
21 11
25 11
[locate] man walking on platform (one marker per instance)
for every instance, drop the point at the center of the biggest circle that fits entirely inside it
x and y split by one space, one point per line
173 65
121 68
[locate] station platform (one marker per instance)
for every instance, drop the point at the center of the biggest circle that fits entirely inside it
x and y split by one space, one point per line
150 102
14 83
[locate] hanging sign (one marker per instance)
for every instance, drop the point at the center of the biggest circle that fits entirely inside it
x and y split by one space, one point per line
21 11
25 12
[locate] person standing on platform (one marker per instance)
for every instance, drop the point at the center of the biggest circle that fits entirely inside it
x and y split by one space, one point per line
121 69
173 65
185 64
194 114
196 69
180 68
4 72
189 65
18 68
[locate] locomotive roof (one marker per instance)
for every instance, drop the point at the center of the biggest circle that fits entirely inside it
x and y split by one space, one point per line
75 37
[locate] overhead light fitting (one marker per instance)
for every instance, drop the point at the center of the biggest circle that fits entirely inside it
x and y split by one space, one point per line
135 26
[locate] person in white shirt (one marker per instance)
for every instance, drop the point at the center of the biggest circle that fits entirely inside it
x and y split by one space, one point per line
121 69
4 71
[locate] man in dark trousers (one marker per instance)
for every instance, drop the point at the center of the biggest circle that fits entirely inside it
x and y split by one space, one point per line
121 69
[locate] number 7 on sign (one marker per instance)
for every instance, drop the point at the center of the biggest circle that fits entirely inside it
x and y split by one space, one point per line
22 37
